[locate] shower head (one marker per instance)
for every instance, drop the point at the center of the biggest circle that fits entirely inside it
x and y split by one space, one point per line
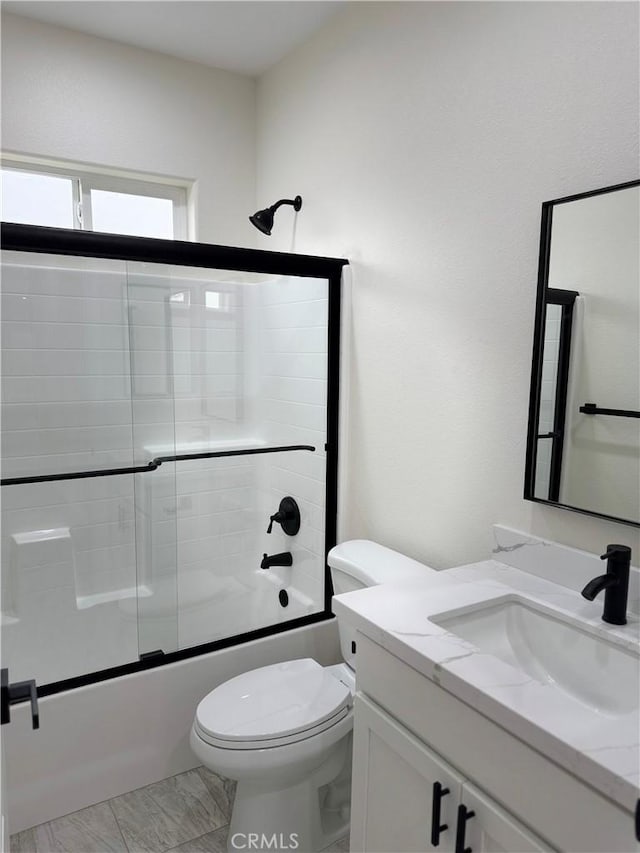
263 219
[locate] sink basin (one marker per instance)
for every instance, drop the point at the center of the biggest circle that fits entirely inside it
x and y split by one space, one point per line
590 668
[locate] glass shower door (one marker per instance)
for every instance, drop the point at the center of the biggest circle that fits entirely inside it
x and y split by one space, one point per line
242 360
68 541
156 419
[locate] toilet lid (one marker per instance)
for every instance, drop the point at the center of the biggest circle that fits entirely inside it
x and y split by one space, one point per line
272 703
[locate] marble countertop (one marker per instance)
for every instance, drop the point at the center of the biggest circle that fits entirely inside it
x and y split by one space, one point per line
598 747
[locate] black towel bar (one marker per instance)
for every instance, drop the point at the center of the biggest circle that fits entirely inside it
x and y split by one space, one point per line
593 409
150 466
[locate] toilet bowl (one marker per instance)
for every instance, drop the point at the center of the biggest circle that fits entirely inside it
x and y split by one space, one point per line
283 731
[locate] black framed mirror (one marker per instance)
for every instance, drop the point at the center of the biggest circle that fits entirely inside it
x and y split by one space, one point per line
583 442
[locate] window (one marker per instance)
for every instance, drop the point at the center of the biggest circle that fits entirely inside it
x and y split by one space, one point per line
37 199
63 198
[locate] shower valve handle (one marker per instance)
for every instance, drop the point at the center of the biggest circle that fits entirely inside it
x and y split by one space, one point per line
277 517
288 516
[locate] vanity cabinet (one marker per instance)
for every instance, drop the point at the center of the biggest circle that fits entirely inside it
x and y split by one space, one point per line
410 733
406 798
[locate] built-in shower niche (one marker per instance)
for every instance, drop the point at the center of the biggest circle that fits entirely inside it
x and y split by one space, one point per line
204 394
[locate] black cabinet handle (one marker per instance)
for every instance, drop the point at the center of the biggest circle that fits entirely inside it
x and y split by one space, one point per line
638 821
436 827
12 693
463 816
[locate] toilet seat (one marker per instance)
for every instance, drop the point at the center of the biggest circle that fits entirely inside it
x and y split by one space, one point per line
269 743
272 706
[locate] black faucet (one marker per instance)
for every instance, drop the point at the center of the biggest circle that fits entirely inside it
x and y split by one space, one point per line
283 559
615 583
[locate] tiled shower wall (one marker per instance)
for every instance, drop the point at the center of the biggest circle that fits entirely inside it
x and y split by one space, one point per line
294 382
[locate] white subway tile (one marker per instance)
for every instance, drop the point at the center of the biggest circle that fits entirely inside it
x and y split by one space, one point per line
295 390
303 415
36 308
296 341
54 389
52 275
16 335
98 536
44 442
295 315
302 365
63 362
55 415
291 289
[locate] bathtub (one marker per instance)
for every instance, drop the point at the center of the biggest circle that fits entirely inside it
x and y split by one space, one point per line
107 738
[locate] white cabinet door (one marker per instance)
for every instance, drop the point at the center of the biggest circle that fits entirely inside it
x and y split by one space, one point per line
406 798
394 785
483 827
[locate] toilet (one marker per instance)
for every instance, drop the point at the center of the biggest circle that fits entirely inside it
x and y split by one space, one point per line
283 731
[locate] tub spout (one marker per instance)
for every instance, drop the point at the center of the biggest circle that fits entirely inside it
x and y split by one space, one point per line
283 559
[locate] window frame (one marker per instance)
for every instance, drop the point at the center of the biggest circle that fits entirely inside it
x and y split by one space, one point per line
85 180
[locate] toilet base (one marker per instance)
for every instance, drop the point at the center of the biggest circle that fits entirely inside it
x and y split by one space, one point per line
306 817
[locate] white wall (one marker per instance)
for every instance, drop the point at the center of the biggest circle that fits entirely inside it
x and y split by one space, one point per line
95 101
423 138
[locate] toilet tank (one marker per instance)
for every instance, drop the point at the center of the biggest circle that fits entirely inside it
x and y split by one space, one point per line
360 563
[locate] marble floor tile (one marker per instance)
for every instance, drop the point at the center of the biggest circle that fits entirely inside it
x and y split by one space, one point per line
188 813
339 846
222 790
168 813
212 842
91 830
23 842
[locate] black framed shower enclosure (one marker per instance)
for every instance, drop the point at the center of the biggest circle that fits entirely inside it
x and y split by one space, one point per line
36 240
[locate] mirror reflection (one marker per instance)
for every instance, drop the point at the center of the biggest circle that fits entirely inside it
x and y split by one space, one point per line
584 430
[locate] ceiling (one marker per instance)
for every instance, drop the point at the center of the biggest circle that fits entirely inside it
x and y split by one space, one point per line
238 35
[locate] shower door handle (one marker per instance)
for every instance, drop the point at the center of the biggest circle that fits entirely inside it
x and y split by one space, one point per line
18 692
